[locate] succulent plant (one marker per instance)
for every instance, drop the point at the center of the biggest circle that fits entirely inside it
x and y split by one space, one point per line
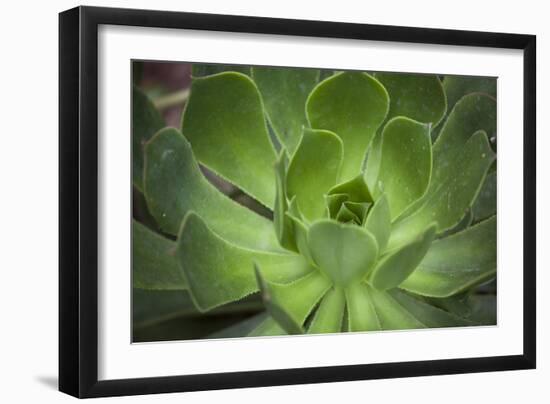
379 191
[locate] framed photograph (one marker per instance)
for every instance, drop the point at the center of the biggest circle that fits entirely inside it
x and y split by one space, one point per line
251 201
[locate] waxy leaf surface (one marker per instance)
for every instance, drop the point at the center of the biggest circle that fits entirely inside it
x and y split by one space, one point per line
345 253
456 262
352 105
313 170
284 92
146 121
174 185
224 122
154 265
218 272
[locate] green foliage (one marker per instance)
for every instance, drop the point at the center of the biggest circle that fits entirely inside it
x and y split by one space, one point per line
374 225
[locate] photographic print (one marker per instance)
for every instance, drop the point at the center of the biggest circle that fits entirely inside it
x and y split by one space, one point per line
272 201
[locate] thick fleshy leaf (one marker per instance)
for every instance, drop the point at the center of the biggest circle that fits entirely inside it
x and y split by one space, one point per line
372 167
346 215
486 202
328 317
483 309
240 329
154 265
174 185
360 209
457 262
391 314
472 113
292 302
353 105
427 314
284 228
146 121
456 304
267 328
356 190
164 315
405 162
218 272
300 230
361 313
448 198
284 92
345 253
224 121
378 222
275 308
396 266
207 69
464 223
416 96
309 176
333 203
457 87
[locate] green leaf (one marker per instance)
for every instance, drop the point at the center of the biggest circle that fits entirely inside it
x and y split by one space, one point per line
486 202
268 328
224 121
391 314
346 215
284 228
427 314
300 231
372 167
458 86
353 105
154 265
289 304
174 185
333 202
284 92
208 69
457 262
310 177
416 96
396 266
473 113
329 315
218 272
448 198
361 313
405 162
146 121
275 307
455 304
150 307
359 209
378 222
483 309
356 190
240 329
345 253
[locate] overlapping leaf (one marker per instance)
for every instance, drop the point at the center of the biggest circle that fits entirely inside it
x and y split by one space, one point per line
146 121
174 186
352 105
284 92
224 122
309 176
457 262
218 272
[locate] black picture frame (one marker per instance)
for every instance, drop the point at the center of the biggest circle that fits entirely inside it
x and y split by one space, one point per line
78 201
